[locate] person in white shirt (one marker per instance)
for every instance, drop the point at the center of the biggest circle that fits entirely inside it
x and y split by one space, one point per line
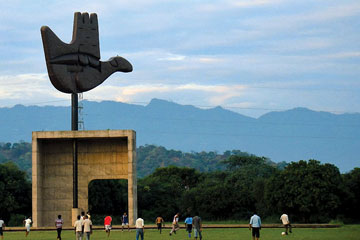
27 223
175 224
285 221
87 224
2 226
139 224
78 228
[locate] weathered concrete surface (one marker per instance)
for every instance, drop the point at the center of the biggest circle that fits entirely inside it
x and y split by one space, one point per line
108 154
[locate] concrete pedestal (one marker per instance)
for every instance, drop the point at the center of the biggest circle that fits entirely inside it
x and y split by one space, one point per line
109 154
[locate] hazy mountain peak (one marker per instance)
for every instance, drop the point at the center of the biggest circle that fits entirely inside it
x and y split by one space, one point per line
291 135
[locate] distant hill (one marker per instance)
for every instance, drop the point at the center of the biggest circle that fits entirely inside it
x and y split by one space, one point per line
296 134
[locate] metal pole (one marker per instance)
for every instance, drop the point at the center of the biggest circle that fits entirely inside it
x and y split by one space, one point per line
74 127
74 112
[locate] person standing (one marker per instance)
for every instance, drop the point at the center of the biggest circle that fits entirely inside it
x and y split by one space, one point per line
107 224
87 224
175 224
160 223
78 228
285 221
197 224
188 225
125 221
2 227
139 224
255 225
27 223
58 224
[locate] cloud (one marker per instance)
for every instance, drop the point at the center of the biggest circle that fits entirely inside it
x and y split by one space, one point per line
133 93
172 57
231 4
253 3
28 89
224 52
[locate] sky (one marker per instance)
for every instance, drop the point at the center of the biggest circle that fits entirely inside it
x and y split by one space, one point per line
248 56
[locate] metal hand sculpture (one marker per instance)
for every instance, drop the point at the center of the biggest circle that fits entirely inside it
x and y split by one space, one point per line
76 67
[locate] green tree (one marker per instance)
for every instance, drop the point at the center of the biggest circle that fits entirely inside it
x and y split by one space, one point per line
232 194
18 153
108 196
351 197
161 192
307 190
15 189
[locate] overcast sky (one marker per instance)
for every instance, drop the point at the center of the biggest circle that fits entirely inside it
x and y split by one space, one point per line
248 56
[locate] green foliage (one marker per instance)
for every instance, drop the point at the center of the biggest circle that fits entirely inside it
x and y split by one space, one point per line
151 157
15 189
18 153
232 185
307 190
160 192
109 197
351 197
232 194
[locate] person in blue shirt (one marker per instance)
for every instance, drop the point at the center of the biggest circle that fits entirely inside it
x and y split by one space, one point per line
255 225
188 225
125 222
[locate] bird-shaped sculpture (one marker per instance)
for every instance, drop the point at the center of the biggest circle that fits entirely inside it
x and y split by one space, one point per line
76 67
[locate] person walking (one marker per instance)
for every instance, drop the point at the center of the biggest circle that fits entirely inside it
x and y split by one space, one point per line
159 223
2 227
286 223
188 225
107 224
255 225
27 223
197 224
139 224
78 228
87 225
175 224
58 224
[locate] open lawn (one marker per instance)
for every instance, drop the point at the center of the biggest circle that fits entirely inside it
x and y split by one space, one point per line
348 232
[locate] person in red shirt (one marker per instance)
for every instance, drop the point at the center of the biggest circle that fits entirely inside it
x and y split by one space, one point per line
107 224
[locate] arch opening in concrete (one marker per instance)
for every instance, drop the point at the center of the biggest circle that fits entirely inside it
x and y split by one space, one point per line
108 197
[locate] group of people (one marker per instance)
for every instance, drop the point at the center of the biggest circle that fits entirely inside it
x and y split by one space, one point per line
108 221
190 223
255 225
83 226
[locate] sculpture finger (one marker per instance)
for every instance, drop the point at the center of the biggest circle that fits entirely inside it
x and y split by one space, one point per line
85 18
94 20
86 34
77 25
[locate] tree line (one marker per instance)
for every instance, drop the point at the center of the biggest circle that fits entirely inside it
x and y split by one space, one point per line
308 191
148 157
241 184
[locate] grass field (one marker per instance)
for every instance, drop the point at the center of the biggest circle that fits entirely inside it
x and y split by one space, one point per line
348 232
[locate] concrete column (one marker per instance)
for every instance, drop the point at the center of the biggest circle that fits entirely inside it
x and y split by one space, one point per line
74 213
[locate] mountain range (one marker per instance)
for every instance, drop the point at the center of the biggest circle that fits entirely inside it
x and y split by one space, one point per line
292 135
